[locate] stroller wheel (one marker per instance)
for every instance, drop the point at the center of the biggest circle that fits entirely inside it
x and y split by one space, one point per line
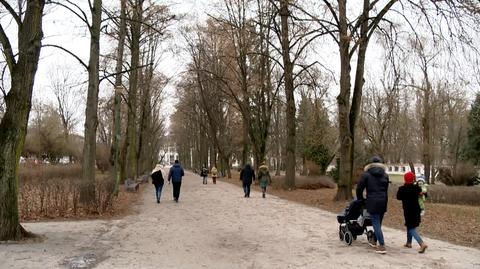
348 238
341 234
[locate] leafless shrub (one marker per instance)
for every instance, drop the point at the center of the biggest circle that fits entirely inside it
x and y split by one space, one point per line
53 192
463 175
460 195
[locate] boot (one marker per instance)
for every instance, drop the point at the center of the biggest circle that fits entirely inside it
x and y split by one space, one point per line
423 247
407 245
381 249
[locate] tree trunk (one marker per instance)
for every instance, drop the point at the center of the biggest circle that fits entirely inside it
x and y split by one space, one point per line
13 125
131 169
87 193
118 97
343 100
289 93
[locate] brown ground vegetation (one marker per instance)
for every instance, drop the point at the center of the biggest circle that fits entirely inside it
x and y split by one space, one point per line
455 223
51 192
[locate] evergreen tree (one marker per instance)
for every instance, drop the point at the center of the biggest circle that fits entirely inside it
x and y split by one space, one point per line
472 149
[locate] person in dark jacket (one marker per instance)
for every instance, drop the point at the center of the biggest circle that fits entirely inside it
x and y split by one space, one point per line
157 181
375 180
408 194
247 175
175 174
204 174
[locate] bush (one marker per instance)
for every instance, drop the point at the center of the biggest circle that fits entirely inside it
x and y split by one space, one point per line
464 174
460 195
54 191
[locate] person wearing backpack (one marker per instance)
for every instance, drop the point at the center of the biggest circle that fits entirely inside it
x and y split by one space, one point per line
204 174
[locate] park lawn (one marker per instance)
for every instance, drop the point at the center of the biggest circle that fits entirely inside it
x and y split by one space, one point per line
456 224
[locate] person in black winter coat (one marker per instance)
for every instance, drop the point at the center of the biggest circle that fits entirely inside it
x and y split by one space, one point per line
408 194
375 180
157 181
204 174
176 174
247 175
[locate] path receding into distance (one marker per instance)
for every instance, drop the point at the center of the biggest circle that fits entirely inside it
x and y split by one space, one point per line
213 226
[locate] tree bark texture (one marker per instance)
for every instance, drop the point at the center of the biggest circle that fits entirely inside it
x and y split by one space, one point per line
87 193
13 126
289 93
131 164
118 97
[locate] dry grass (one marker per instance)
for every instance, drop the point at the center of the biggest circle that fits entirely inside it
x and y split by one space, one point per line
53 192
457 224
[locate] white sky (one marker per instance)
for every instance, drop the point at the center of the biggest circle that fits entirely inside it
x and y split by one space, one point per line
61 28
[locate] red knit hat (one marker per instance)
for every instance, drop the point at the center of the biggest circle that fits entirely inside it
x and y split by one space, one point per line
409 177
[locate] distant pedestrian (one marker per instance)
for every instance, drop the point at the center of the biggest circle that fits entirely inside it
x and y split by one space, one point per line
264 178
375 180
175 174
423 196
408 194
204 174
157 181
247 175
214 174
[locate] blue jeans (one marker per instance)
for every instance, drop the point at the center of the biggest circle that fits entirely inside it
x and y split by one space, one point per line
158 191
413 233
377 227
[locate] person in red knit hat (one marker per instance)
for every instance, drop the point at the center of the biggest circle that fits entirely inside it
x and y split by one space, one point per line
408 194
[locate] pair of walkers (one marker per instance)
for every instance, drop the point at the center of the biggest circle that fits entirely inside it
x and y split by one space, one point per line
375 181
175 174
204 174
247 176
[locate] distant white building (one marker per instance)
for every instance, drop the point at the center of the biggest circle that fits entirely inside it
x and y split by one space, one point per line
168 154
401 168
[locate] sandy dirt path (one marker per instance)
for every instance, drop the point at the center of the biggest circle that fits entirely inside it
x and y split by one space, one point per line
213 226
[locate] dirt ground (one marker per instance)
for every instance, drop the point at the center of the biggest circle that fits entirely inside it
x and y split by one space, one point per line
213 226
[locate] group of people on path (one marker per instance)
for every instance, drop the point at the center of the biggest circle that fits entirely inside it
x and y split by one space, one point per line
204 174
247 176
175 175
375 181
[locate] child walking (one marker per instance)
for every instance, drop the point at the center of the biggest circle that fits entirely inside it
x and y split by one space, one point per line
408 194
264 178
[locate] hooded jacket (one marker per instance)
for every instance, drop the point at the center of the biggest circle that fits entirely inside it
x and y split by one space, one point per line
375 180
264 176
176 173
247 174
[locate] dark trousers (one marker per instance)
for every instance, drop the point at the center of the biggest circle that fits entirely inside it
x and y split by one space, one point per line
246 188
176 189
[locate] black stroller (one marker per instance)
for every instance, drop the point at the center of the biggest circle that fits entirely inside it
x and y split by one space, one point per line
354 221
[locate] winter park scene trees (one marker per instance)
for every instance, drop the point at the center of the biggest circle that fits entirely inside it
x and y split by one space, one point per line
306 102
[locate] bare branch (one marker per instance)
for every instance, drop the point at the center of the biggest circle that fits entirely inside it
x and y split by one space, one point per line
12 12
69 52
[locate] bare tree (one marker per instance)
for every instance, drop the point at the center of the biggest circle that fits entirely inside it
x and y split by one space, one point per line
22 67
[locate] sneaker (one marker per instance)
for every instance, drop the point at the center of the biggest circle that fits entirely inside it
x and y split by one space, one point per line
381 250
407 245
373 244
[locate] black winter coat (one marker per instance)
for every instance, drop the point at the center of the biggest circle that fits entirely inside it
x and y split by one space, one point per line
157 178
408 194
247 175
375 181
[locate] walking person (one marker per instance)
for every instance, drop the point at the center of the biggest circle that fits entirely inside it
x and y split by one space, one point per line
214 174
157 181
204 174
264 178
375 180
247 175
408 194
175 174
